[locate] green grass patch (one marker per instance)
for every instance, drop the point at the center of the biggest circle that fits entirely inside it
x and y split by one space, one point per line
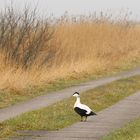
61 114
131 131
10 97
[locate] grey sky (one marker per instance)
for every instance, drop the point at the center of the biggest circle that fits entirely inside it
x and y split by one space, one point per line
58 7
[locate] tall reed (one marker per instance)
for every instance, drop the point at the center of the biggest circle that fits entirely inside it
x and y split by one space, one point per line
34 51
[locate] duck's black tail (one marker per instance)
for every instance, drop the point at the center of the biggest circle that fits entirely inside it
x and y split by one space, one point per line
93 113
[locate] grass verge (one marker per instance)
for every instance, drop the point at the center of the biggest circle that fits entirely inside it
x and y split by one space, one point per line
61 114
12 96
131 131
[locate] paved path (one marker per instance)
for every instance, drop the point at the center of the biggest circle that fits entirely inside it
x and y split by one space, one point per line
46 100
106 121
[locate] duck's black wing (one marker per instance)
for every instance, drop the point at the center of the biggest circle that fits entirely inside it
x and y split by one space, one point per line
80 111
83 112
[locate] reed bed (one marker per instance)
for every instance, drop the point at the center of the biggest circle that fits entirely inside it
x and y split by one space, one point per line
35 52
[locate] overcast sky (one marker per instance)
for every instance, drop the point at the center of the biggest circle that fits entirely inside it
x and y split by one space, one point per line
58 7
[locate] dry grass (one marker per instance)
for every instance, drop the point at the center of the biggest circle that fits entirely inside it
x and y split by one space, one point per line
92 47
77 48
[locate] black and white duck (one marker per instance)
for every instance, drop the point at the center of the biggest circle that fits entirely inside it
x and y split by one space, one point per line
81 109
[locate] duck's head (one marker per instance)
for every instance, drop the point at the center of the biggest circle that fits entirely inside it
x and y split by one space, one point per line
76 94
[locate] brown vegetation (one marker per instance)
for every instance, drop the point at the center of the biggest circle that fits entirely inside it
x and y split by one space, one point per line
33 52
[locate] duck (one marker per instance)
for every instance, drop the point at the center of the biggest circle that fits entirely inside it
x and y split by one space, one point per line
83 110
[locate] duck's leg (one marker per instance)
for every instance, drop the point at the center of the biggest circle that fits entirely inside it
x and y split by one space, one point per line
85 118
81 118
